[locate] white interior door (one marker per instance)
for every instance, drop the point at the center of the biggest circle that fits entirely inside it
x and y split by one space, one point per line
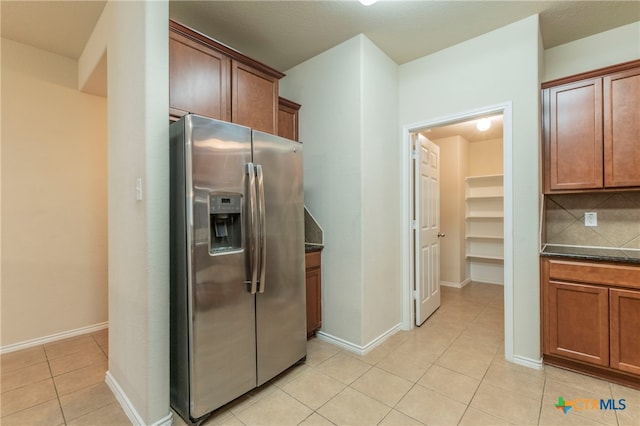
427 234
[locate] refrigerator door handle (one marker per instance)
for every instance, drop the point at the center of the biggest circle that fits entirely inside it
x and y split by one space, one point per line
253 232
263 224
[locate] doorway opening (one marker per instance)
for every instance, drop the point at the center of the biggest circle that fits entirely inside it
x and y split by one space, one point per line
475 213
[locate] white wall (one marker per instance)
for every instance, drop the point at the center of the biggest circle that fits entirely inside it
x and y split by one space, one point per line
329 88
496 67
135 37
600 50
453 167
348 124
54 198
381 200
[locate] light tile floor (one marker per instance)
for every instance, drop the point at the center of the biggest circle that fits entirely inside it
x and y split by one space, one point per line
449 371
60 383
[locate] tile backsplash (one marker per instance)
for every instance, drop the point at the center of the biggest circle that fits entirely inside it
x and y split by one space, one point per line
618 219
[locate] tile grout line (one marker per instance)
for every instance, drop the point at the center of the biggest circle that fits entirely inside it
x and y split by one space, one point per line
461 332
544 389
468 405
64 417
483 376
100 346
55 387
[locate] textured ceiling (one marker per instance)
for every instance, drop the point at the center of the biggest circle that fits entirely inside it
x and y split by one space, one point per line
285 33
61 27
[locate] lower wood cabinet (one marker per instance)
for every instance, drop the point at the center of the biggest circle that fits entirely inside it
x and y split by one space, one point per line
624 311
314 304
578 319
591 318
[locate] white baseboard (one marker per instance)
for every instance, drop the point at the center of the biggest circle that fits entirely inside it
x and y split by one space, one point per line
128 407
455 285
357 349
488 282
53 337
536 364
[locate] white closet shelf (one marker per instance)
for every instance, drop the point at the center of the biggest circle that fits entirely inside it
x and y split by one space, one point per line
485 216
483 177
485 237
484 257
484 197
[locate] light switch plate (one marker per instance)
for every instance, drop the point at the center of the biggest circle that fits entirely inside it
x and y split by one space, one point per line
139 189
591 219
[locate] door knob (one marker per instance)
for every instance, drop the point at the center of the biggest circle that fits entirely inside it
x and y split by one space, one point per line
440 234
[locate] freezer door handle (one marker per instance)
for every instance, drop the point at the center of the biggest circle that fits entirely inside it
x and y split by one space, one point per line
253 232
263 225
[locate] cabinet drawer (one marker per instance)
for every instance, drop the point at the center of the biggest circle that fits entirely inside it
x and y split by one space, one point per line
312 260
595 273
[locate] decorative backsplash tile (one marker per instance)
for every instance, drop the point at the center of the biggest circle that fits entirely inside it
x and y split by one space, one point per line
618 219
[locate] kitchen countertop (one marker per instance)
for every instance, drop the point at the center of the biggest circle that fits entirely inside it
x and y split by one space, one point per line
308 248
592 253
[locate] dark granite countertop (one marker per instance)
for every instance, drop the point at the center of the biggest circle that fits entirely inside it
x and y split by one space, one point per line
312 247
592 253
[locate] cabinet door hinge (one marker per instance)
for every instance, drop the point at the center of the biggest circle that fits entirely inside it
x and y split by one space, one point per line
414 154
414 224
415 294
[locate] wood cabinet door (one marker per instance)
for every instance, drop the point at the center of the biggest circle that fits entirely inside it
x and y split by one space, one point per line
288 119
573 151
622 128
254 98
578 322
314 304
198 79
625 330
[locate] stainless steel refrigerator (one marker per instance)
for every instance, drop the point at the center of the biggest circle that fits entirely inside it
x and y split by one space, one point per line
237 306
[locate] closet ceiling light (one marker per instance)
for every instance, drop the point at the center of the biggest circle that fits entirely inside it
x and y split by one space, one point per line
367 2
483 124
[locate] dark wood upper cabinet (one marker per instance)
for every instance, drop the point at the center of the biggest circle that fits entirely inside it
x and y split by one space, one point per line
254 98
288 119
199 79
211 79
574 144
622 128
591 130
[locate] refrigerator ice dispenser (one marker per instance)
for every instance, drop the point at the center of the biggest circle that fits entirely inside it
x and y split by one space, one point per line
225 222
